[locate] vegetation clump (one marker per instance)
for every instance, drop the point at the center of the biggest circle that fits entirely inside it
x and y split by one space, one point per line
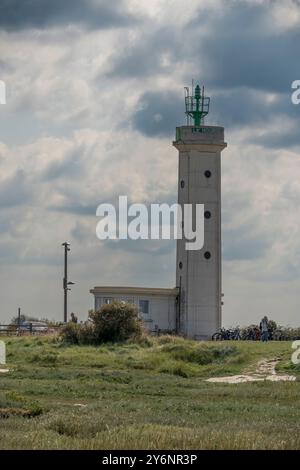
115 322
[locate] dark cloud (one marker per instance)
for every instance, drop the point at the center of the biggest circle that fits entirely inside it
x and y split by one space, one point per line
237 46
239 107
243 48
25 14
242 18
243 106
153 53
242 56
242 59
158 113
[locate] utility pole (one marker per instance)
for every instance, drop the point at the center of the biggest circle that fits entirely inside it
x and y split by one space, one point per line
65 280
19 317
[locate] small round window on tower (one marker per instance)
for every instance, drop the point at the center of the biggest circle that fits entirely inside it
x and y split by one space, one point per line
180 265
207 255
207 214
182 184
207 173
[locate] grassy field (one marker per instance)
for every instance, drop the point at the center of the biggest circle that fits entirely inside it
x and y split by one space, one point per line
145 396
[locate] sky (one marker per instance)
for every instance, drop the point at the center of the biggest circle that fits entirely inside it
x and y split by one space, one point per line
94 93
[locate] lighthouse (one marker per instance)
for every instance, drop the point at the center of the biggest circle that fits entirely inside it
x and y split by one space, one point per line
192 308
199 272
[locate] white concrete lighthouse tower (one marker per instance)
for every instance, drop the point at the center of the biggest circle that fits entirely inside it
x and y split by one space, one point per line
199 272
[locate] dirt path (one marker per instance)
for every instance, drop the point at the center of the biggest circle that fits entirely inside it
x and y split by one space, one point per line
265 370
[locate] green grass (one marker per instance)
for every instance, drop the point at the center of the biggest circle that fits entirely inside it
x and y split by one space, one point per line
149 396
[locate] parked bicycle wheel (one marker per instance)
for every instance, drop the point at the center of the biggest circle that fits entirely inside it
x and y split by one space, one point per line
217 336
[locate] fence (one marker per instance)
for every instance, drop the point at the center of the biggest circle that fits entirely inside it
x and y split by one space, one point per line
31 329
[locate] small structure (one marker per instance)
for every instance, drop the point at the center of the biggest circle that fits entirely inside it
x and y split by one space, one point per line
157 307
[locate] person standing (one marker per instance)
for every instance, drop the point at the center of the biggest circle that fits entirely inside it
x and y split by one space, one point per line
264 328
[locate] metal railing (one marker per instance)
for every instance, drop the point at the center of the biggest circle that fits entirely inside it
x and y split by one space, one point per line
30 329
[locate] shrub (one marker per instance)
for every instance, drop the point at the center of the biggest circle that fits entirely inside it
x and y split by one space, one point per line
114 322
117 321
70 333
86 334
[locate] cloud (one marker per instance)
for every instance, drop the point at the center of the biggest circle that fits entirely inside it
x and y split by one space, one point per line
246 57
243 48
159 112
232 45
73 208
14 190
281 138
71 166
5 66
147 247
151 53
246 64
239 245
16 15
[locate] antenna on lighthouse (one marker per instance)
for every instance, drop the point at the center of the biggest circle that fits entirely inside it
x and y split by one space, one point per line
196 105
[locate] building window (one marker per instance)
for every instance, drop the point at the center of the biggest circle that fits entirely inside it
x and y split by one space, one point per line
207 173
207 214
182 184
180 265
207 255
108 300
144 307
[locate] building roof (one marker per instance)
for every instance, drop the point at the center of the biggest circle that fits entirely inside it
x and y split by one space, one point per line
134 290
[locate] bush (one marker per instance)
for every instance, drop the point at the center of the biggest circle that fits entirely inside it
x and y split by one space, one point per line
71 333
117 321
86 334
114 322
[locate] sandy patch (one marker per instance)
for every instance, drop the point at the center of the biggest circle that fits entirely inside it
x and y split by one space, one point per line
265 371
